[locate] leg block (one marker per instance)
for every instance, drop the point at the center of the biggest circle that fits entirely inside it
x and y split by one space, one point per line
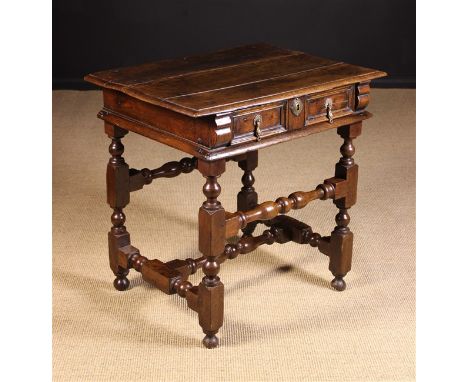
211 312
340 253
211 223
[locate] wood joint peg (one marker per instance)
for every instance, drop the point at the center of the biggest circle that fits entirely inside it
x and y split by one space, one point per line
340 186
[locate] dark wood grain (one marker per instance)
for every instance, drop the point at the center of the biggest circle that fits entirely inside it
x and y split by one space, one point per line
221 100
216 105
226 106
223 81
121 77
211 229
229 77
118 196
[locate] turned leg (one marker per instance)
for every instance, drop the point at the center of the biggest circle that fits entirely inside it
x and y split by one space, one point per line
341 239
247 198
118 196
211 220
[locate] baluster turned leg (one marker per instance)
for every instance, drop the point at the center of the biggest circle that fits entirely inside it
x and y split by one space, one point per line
211 220
341 240
118 196
247 198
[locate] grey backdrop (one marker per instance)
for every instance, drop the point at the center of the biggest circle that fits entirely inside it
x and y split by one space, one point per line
102 34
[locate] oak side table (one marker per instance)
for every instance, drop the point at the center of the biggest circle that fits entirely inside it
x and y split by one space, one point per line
221 107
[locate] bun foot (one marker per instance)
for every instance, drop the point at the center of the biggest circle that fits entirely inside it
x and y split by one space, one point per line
210 341
338 284
121 283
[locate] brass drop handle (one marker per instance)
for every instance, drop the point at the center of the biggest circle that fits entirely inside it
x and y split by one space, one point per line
257 122
328 105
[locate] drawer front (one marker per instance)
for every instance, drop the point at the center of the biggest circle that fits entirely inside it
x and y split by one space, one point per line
260 122
328 105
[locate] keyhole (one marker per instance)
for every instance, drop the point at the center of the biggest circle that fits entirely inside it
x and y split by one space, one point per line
296 107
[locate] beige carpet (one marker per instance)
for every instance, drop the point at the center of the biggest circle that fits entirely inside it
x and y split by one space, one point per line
279 326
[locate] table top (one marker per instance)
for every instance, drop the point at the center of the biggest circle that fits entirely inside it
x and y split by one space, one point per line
231 79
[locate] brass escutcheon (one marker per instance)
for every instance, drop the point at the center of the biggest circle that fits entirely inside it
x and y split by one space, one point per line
296 106
257 122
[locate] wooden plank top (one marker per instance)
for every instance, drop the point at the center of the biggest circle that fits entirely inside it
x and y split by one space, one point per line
230 79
